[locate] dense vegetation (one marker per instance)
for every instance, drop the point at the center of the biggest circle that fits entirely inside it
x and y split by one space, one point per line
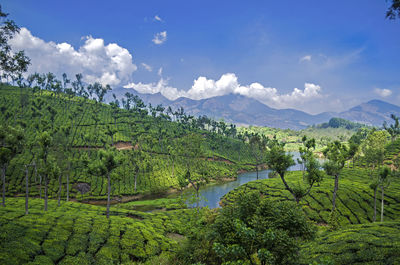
322 135
58 140
148 144
75 233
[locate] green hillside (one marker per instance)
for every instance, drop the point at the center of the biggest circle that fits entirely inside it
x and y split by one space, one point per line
355 197
81 126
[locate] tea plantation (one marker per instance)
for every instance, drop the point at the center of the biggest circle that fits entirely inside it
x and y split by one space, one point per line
76 233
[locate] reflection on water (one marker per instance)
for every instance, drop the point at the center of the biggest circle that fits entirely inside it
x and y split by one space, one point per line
211 195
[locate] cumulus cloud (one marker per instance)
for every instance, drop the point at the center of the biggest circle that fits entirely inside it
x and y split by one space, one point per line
305 58
161 86
147 67
97 61
383 92
228 83
158 18
160 38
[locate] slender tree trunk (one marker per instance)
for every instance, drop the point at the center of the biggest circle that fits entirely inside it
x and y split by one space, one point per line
45 193
26 190
136 173
59 190
382 202
68 183
108 194
288 188
3 175
374 218
334 193
40 186
257 170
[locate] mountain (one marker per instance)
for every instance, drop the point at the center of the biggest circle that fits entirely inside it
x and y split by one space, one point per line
373 112
245 111
154 99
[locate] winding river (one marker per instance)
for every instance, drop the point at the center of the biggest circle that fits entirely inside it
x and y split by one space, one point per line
212 194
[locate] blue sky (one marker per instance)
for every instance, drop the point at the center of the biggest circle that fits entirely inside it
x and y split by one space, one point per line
336 53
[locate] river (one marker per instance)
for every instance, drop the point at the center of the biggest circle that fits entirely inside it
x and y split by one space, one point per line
212 194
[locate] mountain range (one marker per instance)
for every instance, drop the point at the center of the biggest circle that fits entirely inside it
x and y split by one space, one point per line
244 111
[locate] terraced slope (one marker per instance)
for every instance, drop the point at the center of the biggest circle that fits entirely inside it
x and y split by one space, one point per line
354 200
89 123
76 233
372 244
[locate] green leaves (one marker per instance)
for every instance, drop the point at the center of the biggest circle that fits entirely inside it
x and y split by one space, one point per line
337 154
277 158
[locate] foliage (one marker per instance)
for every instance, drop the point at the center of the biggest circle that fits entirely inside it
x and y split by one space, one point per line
354 201
251 230
394 10
376 243
76 233
12 64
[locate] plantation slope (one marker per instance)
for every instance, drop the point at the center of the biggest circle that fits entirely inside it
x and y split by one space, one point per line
89 123
76 233
377 243
354 198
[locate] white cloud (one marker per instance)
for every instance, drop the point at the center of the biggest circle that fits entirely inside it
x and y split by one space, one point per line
147 67
228 83
160 71
108 64
158 18
160 86
383 92
160 38
305 58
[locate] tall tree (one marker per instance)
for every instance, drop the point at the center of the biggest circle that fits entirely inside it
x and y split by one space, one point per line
45 141
336 153
103 166
12 64
384 181
11 142
191 152
258 145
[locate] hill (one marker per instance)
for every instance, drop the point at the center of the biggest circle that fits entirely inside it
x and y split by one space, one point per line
79 127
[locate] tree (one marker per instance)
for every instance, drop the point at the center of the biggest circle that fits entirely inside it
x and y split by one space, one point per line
103 166
374 186
258 145
336 153
45 141
190 151
393 129
280 162
11 141
394 10
374 149
252 230
383 182
12 64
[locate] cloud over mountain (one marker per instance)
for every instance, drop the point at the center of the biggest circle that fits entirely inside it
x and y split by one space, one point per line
203 88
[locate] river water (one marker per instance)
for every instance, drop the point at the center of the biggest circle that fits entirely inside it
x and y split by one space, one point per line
212 194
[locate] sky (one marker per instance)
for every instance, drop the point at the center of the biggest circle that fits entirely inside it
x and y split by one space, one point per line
309 55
